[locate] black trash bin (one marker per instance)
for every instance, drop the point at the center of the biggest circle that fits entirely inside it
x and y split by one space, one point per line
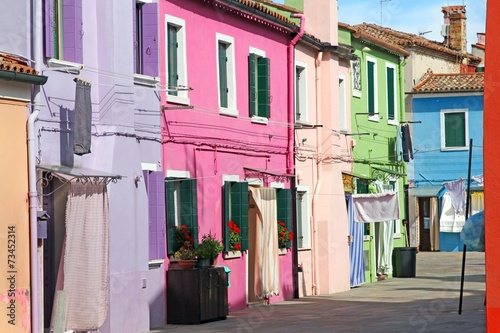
404 261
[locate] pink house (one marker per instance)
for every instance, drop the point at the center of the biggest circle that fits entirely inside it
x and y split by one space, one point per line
227 136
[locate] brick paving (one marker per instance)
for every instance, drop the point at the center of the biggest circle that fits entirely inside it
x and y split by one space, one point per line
426 303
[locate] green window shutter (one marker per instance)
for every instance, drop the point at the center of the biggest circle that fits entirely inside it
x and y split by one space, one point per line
371 87
284 209
298 71
390 93
223 88
263 86
239 210
226 213
252 84
170 213
361 186
172 45
454 129
188 206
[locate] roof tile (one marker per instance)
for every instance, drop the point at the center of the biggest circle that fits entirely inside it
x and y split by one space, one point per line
450 82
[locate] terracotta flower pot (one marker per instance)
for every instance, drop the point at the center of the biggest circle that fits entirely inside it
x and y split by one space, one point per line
187 264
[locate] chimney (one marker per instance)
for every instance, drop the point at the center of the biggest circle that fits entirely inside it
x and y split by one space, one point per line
455 18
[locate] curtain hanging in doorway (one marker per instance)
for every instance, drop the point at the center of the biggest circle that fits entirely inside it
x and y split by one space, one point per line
356 230
266 243
434 232
86 256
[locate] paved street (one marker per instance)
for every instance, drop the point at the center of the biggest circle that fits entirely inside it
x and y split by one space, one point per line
427 303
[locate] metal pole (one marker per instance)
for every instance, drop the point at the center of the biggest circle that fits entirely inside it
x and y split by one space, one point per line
295 247
464 251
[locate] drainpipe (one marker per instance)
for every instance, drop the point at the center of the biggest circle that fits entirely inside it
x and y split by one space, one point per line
291 105
290 162
317 188
33 194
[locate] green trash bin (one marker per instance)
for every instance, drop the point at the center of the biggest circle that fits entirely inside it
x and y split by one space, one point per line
404 261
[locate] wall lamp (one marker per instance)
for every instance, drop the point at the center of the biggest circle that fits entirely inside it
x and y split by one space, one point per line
366 49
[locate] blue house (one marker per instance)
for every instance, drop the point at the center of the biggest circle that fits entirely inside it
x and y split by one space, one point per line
448 117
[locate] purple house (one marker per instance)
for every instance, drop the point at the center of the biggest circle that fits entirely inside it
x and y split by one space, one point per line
98 153
227 136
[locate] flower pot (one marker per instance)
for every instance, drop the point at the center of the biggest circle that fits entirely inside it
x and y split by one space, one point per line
213 262
187 264
201 263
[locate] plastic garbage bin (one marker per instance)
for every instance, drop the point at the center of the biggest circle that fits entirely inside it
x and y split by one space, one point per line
404 261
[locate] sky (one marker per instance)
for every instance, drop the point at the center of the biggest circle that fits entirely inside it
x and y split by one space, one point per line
412 16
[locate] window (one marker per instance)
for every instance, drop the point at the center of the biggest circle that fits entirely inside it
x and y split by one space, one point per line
284 208
342 104
176 70
64 30
371 81
155 189
226 75
303 222
392 186
259 84
235 209
300 92
391 94
146 38
181 208
454 129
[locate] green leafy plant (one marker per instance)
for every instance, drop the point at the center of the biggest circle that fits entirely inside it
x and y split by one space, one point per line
284 235
209 247
186 253
234 237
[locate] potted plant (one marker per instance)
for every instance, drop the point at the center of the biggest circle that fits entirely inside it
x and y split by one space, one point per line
186 258
284 235
208 250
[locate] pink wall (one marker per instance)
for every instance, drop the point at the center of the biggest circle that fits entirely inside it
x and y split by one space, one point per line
210 145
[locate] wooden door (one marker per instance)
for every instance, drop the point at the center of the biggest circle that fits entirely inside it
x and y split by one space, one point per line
424 206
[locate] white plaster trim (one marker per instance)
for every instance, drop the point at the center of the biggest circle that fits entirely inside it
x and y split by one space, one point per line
178 174
279 185
149 166
146 80
232 254
64 66
282 252
258 52
255 181
302 188
230 178
228 112
259 120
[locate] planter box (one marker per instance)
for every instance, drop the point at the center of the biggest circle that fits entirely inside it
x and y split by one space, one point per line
196 296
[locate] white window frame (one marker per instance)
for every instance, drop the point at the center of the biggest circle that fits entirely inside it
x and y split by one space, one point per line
260 53
343 103
375 117
231 109
182 95
394 121
179 174
443 129
305 231
301 91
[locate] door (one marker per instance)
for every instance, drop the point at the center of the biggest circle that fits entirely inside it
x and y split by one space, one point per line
424 208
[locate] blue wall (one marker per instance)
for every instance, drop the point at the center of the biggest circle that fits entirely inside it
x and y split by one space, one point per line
435 165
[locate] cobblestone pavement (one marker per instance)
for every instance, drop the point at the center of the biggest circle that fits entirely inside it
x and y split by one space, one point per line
426 303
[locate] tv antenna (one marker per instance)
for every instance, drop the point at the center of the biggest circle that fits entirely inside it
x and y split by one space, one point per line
381 13
421 33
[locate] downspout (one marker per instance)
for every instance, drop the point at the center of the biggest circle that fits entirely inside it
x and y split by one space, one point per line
291 149
33 194
317 188
291 105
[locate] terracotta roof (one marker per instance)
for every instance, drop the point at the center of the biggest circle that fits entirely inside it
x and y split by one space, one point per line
257 6
479 46
11 63
450 82
404 40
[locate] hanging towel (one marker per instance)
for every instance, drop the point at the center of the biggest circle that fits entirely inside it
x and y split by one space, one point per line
376 207
399 144
450 221
83 118
407 145
86 256
456 189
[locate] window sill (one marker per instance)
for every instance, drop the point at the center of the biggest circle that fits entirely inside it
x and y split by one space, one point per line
232 254
259 120
304 249
153 264
367 237
454 148
145 80
304 123
178 100
374 118
396 235
64 66
282 252
228 112
393 122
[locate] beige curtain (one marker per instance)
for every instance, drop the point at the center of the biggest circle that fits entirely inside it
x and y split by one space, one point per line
86 256
266 279
434 224
477 203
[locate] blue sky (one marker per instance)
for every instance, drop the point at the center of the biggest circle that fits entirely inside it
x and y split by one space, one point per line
412 16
